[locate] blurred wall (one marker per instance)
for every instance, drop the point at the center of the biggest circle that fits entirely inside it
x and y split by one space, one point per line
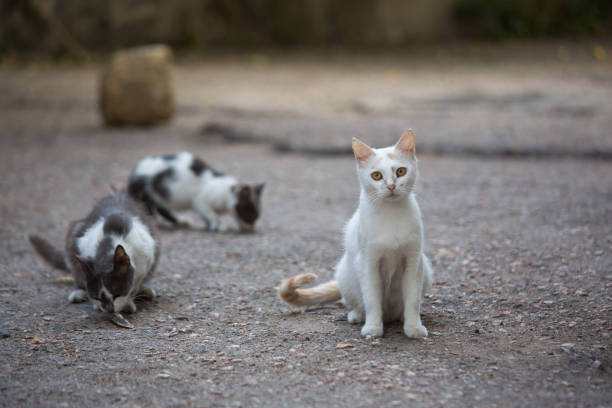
60 26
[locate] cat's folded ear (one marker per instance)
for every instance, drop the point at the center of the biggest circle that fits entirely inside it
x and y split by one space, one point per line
121 258
259 188
362 151
405 144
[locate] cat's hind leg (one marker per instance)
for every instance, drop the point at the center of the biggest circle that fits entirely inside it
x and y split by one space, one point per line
349 288
427 275
77 296
146 293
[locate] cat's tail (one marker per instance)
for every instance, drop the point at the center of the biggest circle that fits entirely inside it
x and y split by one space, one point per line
154 204
49 253
325 293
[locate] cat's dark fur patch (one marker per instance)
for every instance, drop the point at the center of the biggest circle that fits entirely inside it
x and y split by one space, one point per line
137 185
107 302
198 166
169 156
159 183
119 224
245 207
102 262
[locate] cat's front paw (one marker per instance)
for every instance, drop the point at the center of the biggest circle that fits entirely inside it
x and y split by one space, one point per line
354 317
130 307
214 226
77 296
372 330
415 331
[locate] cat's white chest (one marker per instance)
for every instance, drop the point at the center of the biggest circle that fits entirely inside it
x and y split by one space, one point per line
394 231
141 248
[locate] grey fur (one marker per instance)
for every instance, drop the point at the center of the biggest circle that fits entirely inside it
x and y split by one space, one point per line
91 274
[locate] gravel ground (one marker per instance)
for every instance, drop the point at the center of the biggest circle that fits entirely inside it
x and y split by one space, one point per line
520 314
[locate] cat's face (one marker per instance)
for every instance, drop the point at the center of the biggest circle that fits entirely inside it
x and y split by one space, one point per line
389 173
248 204
109 279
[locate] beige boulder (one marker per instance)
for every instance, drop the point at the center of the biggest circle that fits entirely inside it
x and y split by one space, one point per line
137 87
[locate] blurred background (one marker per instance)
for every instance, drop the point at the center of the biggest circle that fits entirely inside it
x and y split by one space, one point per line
64 27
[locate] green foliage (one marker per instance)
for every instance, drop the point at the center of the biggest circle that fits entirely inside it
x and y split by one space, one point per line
526 18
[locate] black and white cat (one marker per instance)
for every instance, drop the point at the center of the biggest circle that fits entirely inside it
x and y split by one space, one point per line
112 254
182 181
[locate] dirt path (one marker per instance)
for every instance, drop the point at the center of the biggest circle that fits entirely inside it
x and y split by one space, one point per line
520 314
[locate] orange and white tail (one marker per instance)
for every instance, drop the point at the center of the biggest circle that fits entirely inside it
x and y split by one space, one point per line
325 293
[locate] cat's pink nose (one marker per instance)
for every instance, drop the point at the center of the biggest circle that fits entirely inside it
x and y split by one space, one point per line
391 187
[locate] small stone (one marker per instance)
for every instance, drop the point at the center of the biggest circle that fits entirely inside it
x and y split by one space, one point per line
137 87
344 345
445 253
568 345
596 364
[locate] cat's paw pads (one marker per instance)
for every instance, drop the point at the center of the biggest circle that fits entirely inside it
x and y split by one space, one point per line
370 331
147 293
129 307
354 317
415 331
77 296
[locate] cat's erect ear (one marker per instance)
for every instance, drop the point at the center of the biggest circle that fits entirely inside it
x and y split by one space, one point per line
259 188
405 144
121 259
362 151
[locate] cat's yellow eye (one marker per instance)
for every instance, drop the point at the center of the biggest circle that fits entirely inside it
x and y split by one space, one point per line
377 175
401 172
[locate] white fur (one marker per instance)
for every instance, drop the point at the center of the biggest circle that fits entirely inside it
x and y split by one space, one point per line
88 243
215 198
139 245
384 273
209 195
151 166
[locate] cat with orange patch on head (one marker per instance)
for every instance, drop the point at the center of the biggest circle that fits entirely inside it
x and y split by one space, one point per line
383 273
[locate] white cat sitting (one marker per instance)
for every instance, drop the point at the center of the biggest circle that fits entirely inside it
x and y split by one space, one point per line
383 273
